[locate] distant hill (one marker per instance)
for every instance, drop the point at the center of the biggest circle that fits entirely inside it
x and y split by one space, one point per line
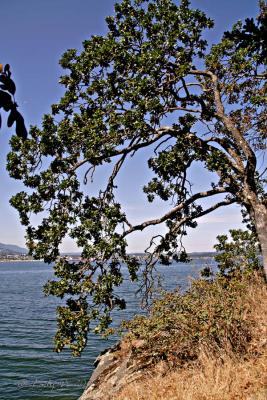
202 254
196 254
11 249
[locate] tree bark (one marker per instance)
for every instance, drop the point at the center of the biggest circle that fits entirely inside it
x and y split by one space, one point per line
260 215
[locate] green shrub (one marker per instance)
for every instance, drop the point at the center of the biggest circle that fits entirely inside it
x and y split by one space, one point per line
237 254
240 253
212 314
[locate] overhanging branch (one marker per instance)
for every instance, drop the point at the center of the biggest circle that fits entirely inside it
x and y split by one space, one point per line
160 133
202 213
175 210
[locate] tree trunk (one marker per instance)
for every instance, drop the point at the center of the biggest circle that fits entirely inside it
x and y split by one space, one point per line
260 215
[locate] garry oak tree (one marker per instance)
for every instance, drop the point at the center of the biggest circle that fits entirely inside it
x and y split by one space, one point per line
150 83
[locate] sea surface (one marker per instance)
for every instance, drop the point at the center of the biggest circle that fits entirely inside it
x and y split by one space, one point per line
29 369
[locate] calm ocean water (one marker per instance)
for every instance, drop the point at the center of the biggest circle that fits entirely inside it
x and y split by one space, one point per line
29 369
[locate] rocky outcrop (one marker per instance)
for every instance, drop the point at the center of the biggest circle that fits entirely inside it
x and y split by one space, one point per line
115 367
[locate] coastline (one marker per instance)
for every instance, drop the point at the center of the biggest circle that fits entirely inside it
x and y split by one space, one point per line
19 261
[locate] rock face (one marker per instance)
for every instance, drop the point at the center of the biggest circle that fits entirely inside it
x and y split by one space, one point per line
115 367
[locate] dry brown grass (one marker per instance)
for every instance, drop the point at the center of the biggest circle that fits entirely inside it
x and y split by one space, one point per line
224 378
210 381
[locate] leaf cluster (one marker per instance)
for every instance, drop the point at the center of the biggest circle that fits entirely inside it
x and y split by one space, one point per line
239 254
7 102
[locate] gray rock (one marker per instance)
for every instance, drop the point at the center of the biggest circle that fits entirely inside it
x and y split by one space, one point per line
115 368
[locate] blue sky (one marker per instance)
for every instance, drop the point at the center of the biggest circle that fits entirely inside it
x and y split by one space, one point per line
34 35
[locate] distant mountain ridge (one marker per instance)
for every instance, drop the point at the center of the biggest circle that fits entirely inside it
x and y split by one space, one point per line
194 254
12 249
200 254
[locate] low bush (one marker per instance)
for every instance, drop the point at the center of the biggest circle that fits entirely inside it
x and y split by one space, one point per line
221 325
212 314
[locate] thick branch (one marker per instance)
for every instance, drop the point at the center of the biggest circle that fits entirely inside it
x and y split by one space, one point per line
189 84
204 144
224 143
175 210
175 229
202 213
186 109
232 129
235 133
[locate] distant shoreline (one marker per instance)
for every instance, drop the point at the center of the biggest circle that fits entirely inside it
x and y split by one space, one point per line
11 260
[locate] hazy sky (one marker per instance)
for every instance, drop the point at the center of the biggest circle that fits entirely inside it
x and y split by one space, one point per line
34 35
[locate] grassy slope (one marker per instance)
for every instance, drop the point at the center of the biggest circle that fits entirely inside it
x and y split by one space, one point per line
215 370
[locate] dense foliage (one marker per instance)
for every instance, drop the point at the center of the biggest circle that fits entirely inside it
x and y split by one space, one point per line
239 254
150 82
